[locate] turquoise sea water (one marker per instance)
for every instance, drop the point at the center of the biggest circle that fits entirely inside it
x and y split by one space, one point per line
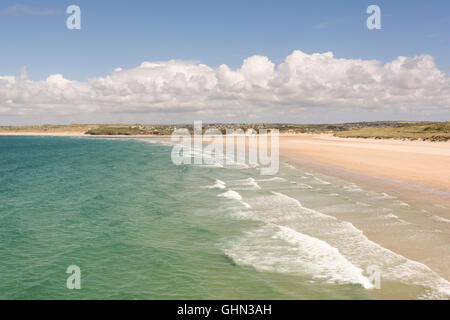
140 227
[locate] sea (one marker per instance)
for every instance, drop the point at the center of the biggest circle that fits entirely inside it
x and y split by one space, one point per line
138 226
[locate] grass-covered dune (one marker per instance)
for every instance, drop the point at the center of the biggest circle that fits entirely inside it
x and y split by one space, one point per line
130 130
419 131
111 131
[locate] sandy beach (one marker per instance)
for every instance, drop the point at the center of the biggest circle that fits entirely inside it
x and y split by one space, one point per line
417 172
421 162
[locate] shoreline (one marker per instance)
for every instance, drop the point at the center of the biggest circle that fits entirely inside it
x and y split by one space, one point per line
317 136
76 134
420 162
430 201
429 204
351 160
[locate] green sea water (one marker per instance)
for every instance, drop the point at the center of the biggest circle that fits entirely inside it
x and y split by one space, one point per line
140 227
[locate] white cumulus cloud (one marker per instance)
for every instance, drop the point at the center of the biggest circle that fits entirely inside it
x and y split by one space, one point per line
179 89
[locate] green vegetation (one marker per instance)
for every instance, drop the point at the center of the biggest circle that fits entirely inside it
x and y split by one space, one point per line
431 131
91 129
416 131
111 131
130 130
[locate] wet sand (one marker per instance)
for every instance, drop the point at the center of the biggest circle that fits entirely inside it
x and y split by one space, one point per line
417 173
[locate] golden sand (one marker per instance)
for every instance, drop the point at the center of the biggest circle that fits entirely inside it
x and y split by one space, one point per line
416 161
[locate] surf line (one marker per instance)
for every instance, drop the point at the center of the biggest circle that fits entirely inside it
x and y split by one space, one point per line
212 147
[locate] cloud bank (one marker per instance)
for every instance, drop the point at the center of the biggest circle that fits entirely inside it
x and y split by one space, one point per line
181 89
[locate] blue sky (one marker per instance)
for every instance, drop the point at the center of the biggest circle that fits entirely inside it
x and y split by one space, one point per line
277 68
126 33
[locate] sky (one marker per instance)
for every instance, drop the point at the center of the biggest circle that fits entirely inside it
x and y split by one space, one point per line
224 61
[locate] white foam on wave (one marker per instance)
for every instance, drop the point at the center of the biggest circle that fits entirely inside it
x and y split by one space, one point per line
401 203
157 141
387 196
272 179
321 181
219 184
379 196
326 260
250 182
389 216
276 248
233 195
440 219
350 242
353 188
297 203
